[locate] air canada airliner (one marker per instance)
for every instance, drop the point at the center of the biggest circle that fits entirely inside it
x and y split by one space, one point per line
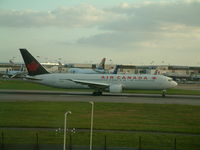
113 83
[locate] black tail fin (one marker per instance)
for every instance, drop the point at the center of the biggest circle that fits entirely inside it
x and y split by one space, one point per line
116 69
102 64
32 65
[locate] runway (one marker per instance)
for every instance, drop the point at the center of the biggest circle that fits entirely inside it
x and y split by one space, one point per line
23 95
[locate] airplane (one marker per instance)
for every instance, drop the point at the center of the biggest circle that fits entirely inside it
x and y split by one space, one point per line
100 69
113 83
13 73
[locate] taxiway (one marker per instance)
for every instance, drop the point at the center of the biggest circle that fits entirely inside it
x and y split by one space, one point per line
18 95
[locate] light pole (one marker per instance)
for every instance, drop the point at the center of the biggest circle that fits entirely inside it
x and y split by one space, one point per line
65 123
91 129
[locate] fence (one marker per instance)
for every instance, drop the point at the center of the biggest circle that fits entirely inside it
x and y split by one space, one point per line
102 142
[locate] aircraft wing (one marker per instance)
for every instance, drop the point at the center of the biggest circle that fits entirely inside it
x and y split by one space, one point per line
91 84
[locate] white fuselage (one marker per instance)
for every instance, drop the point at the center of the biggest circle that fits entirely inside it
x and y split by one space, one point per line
132 81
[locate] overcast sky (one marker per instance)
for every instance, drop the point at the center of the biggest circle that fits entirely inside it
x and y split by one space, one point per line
84 31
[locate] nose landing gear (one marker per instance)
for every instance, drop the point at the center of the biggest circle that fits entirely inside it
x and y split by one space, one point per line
164 93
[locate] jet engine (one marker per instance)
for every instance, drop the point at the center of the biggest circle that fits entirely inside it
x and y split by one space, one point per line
115 88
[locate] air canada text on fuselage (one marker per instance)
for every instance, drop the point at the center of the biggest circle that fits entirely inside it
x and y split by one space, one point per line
123 77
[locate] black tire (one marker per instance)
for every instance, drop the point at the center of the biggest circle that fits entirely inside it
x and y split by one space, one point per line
97 93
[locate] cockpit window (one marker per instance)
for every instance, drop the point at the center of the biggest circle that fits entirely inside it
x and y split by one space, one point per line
170 80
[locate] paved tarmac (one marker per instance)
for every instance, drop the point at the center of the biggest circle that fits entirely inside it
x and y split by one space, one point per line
23 95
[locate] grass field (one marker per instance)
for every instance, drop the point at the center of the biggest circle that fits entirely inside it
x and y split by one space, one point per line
24 85
150 117
145 117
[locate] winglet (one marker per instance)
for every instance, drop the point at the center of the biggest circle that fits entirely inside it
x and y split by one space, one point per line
32 65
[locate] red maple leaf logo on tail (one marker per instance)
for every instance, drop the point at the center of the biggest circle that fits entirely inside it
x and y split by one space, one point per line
33 66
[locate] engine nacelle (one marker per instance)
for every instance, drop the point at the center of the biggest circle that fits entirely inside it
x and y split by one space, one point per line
115 88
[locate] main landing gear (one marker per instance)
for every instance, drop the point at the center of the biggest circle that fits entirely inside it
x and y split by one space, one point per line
164 93
97 93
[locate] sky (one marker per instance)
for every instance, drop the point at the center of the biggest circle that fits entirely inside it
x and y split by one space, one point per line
137 32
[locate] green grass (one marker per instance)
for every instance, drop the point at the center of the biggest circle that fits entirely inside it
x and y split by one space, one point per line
153 117
25 85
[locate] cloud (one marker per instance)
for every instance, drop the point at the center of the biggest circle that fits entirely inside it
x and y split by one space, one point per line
147 23
60 17
68 17
116 40
151 15
146 15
